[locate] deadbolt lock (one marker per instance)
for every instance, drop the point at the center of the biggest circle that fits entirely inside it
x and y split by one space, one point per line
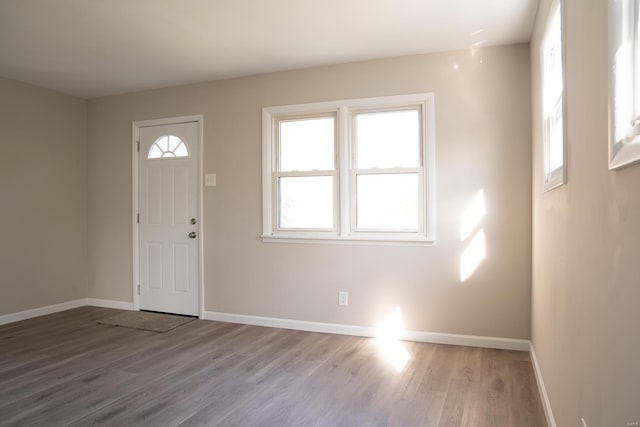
193 221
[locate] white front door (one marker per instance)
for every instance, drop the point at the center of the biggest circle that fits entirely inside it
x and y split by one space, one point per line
168 208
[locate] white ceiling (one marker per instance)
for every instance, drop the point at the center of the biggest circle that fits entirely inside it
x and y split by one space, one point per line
92 48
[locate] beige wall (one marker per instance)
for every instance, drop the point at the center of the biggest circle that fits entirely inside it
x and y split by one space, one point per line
43 182
586 270
483 139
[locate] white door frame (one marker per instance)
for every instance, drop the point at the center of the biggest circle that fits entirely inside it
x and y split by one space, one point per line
134 214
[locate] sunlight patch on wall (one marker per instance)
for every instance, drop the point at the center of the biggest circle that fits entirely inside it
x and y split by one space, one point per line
472 216
473 255
476 248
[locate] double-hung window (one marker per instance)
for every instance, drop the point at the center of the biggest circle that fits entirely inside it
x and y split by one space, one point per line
305 173
355 170
553 100
624 82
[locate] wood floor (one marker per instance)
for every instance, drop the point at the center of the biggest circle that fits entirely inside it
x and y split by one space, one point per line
65 369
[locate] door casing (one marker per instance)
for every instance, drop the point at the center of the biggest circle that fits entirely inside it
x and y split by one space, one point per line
135 203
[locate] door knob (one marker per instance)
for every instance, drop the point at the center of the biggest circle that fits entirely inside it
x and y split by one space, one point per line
192 235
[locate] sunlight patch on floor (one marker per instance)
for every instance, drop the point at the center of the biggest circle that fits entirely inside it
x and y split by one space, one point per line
391 348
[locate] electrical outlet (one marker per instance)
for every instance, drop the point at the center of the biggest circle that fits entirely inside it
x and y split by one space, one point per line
343 298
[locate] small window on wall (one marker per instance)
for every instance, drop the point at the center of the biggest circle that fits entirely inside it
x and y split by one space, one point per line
553 101
624 83
356 170
168 146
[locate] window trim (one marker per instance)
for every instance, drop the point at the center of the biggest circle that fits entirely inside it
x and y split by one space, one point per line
354 171
557 177
344 111
625 151
277 174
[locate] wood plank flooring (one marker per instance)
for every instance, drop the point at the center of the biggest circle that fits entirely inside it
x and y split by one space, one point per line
65 369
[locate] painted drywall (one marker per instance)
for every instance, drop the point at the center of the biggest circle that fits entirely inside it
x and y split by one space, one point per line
483 142
586 274
43 184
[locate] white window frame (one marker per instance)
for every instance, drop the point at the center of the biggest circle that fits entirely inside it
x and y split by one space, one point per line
277 174
344 230
624 71
557 177
354 171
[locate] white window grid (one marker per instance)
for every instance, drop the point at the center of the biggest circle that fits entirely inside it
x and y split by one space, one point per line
344 230
624 89
553 101
355 171
178 151
277 174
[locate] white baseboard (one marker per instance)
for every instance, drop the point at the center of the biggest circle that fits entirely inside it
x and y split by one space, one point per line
468 340
364 331
107 303
548 412
301 325
41 311
50 309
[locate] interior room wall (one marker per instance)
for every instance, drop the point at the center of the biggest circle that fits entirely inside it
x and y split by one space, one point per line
483 142
586 274
43 183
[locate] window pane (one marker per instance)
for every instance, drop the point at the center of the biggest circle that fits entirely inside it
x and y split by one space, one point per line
307 144
552 99
623 92
388 139
556 151
155 152
168 146
387 201
306 202
181 150
553 79
163 143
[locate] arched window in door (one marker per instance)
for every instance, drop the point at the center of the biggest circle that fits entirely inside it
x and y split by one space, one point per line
168 146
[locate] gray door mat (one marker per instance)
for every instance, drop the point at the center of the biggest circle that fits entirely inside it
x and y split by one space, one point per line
157 322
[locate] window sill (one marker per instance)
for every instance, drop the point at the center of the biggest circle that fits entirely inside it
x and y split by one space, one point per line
625 154
350 240
554 180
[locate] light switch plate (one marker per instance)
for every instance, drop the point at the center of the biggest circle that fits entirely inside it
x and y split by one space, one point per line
210 180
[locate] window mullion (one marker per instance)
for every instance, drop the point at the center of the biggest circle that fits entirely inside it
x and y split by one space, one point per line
275 202
344 165
352 201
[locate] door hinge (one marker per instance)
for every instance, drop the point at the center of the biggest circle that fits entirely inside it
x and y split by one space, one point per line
138 289
138 146
138 218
